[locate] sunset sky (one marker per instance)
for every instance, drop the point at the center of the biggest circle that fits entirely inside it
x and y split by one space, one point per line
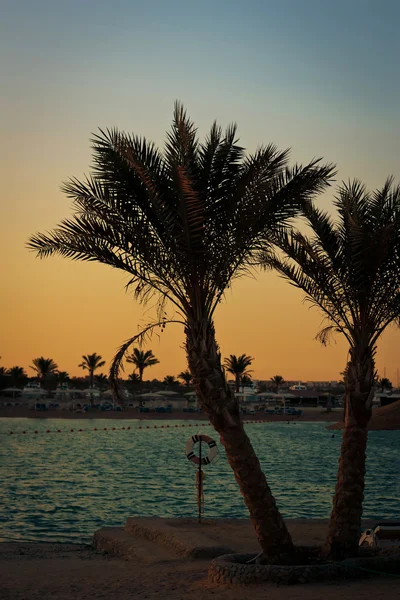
319 76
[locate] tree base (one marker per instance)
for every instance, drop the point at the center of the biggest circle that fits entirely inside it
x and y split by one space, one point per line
308 566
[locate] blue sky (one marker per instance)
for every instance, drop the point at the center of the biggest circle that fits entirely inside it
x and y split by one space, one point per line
287 61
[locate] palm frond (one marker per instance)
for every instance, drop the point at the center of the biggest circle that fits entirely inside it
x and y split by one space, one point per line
116 363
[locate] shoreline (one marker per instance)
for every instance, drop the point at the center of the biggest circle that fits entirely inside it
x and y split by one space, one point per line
18 412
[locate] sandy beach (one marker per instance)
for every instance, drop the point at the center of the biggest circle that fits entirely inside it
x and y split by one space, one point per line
65 572
309 414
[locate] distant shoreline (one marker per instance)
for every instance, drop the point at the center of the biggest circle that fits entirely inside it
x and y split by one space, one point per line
15 412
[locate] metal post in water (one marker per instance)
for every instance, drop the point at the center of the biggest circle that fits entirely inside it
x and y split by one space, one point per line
200 482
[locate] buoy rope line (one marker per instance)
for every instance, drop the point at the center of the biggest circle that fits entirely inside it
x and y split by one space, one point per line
99 429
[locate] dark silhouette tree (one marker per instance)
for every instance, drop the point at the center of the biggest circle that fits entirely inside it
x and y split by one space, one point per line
186 377
134 378
43 367
385 384
102 380
183 224
238 367
142 360
277 381
17 374
91 362
62 377
349 269
170 381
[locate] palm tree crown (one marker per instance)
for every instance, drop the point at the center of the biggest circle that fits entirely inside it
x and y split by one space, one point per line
349 268
170 380
182 223
238 367
277 380
43 367
142 360
92 362
16 374
186 377
62 377
384 384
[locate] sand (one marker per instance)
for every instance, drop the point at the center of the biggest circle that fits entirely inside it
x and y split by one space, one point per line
70 572
383 418
309 414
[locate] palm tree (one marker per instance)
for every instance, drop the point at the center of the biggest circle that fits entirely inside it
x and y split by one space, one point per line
170 380
384 384
277 381
245 380
62 377
17 374
102 380
183 223
237 366
134 377
350 270
91 362
142 360
43 367
186 377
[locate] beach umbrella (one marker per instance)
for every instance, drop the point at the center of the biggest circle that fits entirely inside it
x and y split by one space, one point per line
92 391
12 390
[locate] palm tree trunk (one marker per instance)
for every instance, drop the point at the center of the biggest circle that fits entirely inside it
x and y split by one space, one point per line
237 384
345 520
220 405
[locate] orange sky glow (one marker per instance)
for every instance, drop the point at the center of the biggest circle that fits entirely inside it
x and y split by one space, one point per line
64 79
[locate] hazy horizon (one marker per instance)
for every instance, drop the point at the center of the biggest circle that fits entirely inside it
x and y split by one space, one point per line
316 76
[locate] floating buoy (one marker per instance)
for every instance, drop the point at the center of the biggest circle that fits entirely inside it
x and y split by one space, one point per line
212 449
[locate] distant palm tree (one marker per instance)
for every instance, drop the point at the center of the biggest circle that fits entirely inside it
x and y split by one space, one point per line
134 377
43 367
237 366
350 269
142 360
277 380
17 375
62 377
183 223
170 380
102 380
186 377
385 384
246 380
91 362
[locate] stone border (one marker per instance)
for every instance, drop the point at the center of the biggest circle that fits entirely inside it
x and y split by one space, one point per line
232 568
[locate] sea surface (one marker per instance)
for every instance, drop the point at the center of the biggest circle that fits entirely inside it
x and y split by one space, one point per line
61 487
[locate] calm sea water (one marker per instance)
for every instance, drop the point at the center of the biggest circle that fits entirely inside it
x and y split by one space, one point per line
61 487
